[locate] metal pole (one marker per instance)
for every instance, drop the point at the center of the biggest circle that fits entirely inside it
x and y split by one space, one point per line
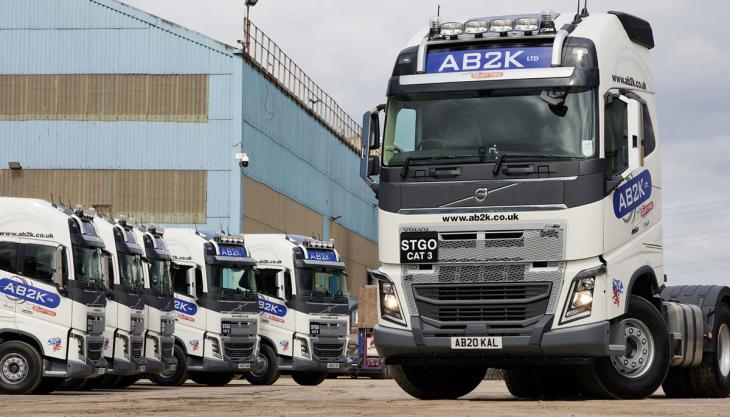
247 29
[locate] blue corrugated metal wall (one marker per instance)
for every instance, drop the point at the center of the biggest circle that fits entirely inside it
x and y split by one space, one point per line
297 156
291 151
107 37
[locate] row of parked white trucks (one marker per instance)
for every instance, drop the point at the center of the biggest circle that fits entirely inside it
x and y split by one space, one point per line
91 302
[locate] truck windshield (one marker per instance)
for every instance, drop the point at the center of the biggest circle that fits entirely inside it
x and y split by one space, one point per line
160 276
87 265
130 271
313 282
484 124
226 280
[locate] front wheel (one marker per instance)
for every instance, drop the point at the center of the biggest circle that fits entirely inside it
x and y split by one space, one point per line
48 385
20 368
309 379
640 370
173 378
266 371
127 381
438 382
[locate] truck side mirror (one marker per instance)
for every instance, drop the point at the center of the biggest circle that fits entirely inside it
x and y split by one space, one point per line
373 165
57 266
192 289
370 140
106 271
635 137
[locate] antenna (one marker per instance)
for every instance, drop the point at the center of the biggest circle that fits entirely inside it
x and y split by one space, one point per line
585 13
53 203
577 18
438 11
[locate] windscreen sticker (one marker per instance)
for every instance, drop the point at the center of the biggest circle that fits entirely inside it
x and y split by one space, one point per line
268 307
632 194
321 255
185 307
489 59
16 290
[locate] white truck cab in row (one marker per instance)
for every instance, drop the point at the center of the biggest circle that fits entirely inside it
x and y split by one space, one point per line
159 305
52 296
304 307
216 334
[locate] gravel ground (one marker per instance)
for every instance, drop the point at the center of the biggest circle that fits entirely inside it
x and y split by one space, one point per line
342 397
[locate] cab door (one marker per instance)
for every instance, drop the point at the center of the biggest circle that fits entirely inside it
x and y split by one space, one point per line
278 321
632 210
190 318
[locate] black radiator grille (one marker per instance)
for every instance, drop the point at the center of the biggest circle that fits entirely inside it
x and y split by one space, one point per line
329 350
492 303
94 350
239 351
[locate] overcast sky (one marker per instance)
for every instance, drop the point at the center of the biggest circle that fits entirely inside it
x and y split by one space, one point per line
349 47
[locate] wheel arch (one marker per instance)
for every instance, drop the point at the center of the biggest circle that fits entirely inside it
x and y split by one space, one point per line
7 335
644 284
179 342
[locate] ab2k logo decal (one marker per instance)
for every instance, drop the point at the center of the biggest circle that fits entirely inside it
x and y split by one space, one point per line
618 290
22 291
266 306
55 343
631 195
185 307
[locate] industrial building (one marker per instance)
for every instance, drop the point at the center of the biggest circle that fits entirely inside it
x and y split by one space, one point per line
105 105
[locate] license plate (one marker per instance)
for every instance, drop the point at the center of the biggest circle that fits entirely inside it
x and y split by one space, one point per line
333 366
142 368
476 343
100 371
244 366
419 248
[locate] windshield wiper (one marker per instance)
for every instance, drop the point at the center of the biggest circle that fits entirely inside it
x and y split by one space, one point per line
503 157
410 159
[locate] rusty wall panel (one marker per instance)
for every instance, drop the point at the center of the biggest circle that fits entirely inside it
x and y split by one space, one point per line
170 197
267 211
105 97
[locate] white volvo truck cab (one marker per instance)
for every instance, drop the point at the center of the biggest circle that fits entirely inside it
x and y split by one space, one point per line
125 320
159 308
304 307
520 222
51 296
216 333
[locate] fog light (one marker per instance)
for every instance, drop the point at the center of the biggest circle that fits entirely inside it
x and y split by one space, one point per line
501 25
452 29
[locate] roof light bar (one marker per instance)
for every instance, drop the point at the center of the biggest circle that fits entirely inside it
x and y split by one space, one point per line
501 25
476 26
452 29
232 239
527 24
319 244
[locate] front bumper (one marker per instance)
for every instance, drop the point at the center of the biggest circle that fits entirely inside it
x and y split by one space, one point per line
317 365
565 345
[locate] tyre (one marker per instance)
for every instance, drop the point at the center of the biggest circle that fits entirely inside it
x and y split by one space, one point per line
108 381
521 383
309 379
638 372
438 382
91 384
21 368
712 378
212 379
266 372
173 378
126 381
48 385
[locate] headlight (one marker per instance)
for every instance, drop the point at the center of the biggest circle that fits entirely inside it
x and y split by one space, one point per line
389 304
580 301
215 347
304 347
